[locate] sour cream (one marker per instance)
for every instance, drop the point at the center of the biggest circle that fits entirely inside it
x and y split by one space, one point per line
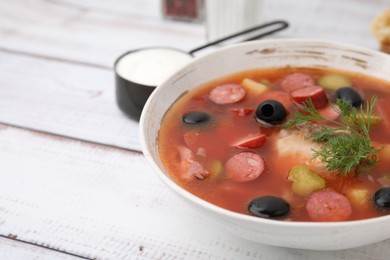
151 66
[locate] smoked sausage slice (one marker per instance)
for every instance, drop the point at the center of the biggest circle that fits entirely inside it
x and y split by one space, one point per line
227 94
244 167
315 93
328 205
296 80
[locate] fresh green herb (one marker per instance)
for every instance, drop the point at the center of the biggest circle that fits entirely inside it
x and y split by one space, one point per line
346 147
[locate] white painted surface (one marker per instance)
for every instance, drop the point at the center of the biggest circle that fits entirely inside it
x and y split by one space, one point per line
63 98
88 31
346 21
97 200
14 250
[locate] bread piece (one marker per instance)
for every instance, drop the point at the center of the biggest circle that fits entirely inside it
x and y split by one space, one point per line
380 27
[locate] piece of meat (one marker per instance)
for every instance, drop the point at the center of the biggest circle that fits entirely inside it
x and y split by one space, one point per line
190 168
242 111
227 94
244 167
295 143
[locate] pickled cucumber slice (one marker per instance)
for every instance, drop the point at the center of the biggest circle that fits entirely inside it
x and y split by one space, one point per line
304 180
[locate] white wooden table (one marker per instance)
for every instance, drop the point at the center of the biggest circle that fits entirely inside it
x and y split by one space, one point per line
73 182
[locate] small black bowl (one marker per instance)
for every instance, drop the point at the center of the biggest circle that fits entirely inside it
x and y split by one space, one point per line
135 75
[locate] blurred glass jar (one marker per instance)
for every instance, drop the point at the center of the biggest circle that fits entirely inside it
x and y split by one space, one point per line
226 17
183 10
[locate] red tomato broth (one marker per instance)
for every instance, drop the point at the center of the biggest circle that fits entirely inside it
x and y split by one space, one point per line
226 127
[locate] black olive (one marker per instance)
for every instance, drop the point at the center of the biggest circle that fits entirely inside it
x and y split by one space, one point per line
382 198
350 95
194 118
271 112
269 207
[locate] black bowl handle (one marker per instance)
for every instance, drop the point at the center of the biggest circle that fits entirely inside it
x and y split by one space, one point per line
280 25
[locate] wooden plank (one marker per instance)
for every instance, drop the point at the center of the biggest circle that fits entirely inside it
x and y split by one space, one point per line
62 98
98 31
94 31
12 249
100 201
42 92
147 10
70 100
106 203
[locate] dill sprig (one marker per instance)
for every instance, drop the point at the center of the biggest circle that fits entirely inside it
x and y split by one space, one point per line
346 146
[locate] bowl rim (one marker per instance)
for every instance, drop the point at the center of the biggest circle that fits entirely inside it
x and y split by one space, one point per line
240 216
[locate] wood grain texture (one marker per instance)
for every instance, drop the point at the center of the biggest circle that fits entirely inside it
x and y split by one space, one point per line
65 99
44 83
11 250
93 31
99 201
61 81
106 203
98 31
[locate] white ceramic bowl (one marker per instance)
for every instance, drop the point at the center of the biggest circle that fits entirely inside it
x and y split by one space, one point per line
257 55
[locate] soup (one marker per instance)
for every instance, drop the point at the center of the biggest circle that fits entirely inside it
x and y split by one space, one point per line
293 144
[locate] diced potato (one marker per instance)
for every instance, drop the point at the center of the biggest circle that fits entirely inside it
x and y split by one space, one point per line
254 87
304 180
359 197
334 81
215 168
